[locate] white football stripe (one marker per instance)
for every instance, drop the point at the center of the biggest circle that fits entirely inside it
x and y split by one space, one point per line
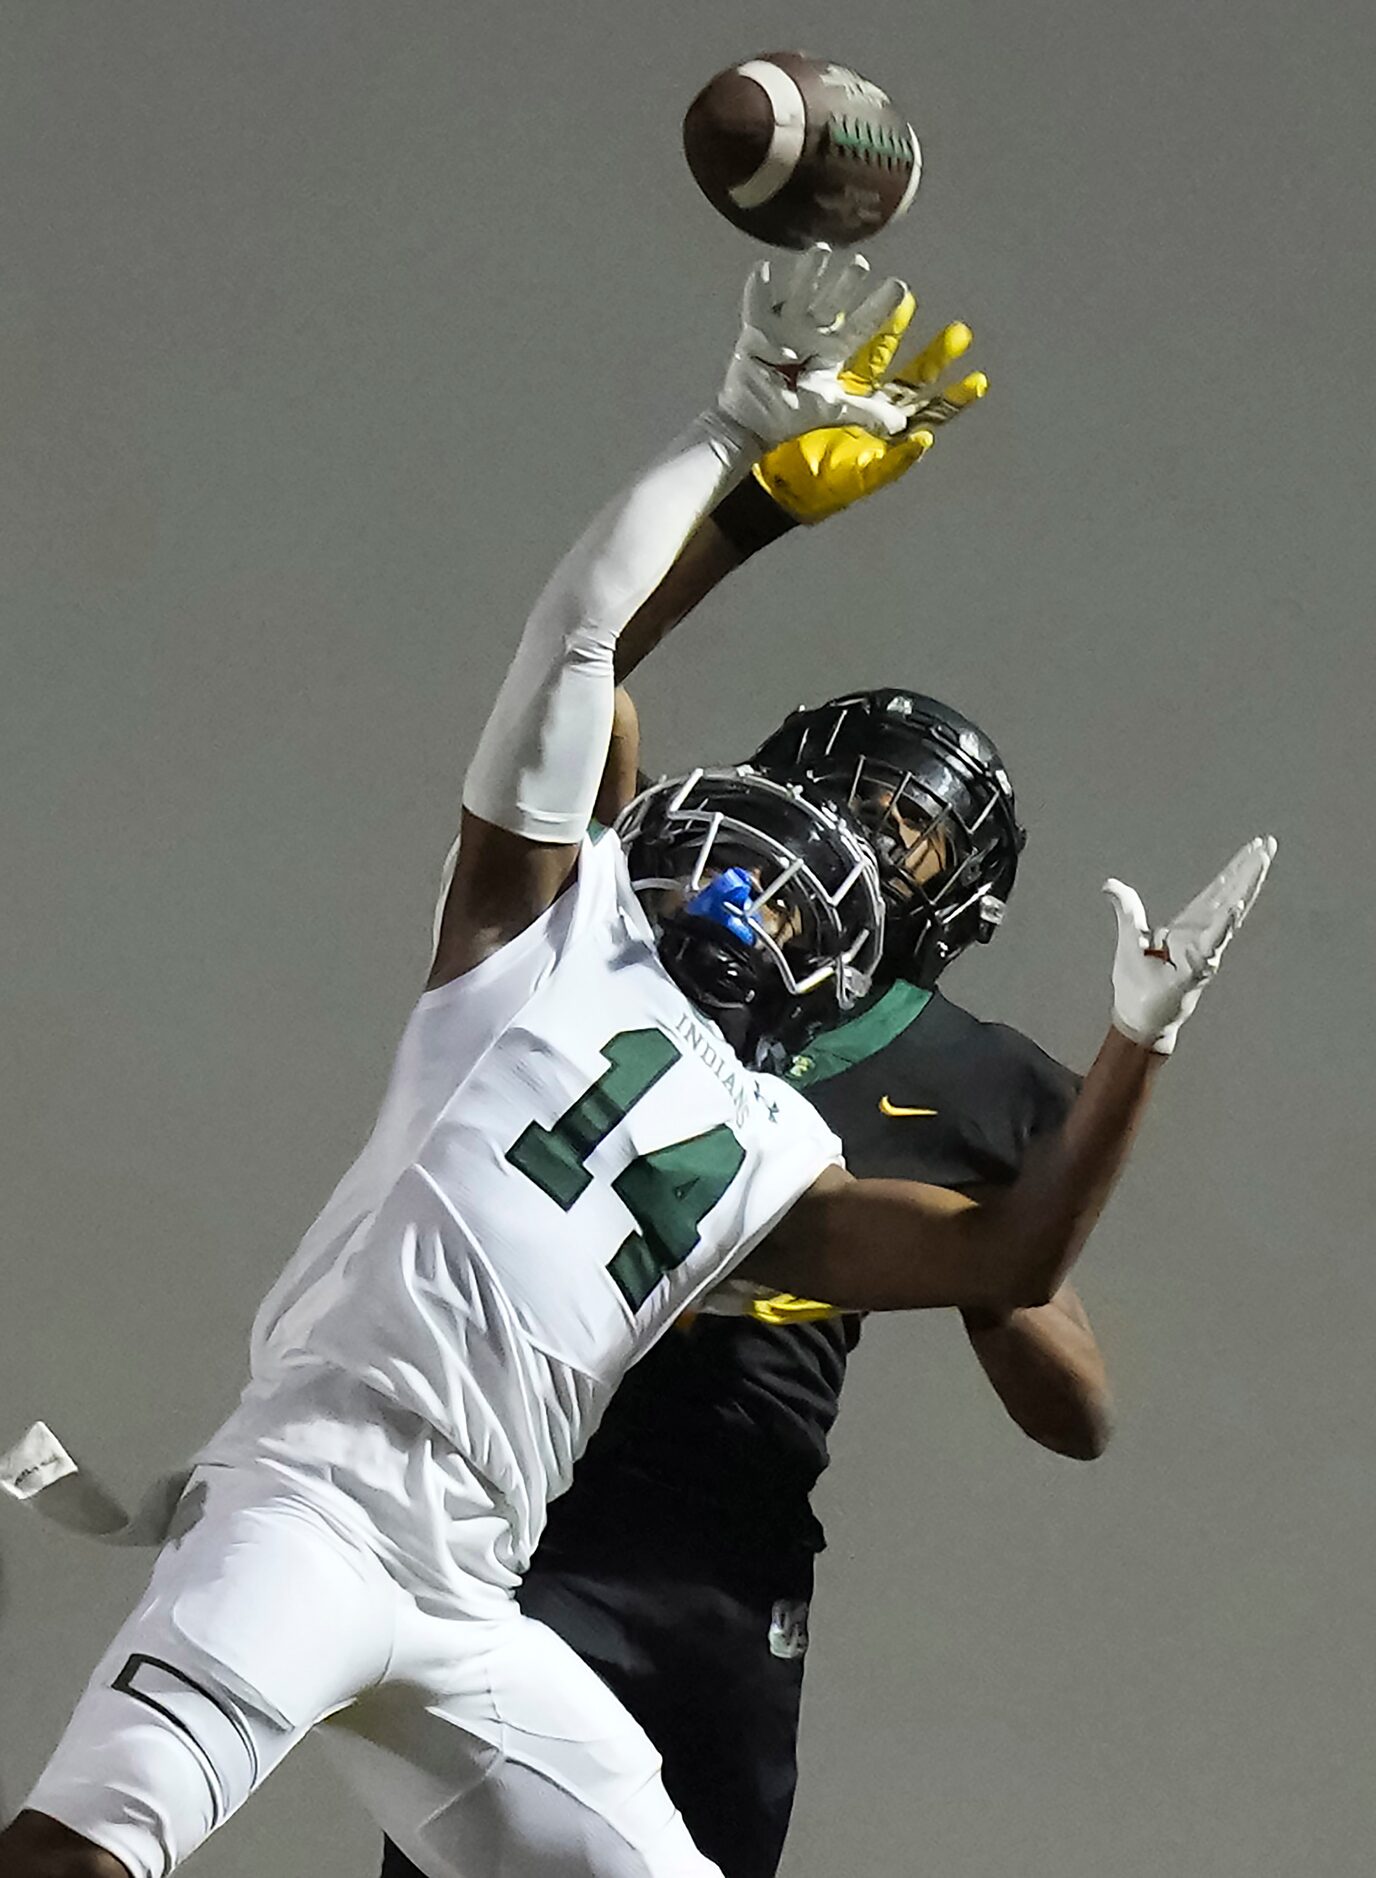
786 142
913 180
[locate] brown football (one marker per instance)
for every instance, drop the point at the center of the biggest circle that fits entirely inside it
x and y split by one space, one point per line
794 150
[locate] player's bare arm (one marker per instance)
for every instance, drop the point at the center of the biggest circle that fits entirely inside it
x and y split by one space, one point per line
897 1245
533 784
708 557
892 1245
1045 1365
621 771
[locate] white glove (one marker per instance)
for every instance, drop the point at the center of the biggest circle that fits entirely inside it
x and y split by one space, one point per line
1158 976
803 316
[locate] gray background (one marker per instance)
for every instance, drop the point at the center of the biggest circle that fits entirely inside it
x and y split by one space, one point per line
324 327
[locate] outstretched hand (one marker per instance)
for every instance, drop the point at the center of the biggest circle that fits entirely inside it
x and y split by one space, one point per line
827 470
803 317
1158 975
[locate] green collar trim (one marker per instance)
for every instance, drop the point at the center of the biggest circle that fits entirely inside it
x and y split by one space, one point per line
860 1036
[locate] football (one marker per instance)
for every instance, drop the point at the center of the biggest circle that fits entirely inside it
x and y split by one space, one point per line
794 150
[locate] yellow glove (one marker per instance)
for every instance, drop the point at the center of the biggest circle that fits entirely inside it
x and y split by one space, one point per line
825 471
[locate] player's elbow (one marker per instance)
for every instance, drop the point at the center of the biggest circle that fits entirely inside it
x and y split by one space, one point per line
1096 1439
1085 1432
1071 1418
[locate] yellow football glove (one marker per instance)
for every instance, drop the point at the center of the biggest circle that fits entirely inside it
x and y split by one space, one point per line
825 471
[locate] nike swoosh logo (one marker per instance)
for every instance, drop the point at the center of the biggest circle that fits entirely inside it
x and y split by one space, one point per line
891 1108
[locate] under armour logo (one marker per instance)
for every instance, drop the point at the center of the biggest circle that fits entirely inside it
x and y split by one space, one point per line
789 373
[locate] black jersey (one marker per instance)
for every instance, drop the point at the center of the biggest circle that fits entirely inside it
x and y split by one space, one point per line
715 1439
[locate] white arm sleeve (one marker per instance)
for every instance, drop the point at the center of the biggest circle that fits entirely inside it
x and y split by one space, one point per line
541 756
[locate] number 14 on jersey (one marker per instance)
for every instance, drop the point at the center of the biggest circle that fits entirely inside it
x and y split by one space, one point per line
668 1193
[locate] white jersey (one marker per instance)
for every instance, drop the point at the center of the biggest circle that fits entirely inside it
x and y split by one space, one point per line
568 1156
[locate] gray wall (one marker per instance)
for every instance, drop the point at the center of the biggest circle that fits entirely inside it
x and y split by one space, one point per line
324 327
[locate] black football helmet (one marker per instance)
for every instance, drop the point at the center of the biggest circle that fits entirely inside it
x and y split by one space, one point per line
766 903
930 789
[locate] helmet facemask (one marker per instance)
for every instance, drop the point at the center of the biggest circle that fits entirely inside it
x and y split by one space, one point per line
931 792
799 939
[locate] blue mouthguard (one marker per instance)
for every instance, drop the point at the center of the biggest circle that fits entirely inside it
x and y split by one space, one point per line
722 899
